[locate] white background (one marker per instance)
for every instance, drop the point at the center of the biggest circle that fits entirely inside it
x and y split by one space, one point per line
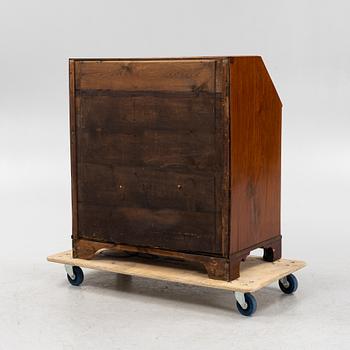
306 48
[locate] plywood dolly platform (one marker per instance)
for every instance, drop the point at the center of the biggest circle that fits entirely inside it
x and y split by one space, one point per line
255 274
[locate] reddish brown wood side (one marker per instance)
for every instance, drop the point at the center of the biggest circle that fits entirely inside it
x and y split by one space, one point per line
255 111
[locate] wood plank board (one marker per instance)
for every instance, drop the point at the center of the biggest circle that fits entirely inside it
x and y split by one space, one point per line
255 273
185 75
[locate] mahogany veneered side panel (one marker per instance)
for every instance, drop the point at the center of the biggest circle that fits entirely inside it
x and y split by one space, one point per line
255 111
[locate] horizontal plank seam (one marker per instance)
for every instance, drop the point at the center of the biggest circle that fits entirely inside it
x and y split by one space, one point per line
151 93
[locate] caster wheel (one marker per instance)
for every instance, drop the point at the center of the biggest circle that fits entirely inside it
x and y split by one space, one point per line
78 278
288 284
250 305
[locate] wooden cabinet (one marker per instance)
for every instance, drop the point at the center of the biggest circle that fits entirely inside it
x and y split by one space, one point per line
177 158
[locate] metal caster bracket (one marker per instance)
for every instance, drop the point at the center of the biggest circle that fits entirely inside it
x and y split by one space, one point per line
69 270
241 299
284 281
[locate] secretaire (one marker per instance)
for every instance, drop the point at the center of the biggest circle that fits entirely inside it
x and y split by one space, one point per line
176 158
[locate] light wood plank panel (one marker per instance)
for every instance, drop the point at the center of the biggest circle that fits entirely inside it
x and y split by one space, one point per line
255 273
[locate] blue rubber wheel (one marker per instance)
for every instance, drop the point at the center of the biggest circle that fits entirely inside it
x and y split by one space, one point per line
291 286
78 276
251 305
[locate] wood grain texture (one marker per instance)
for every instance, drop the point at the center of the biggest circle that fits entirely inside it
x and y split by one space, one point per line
255 154
224 196
164 228
73 149
151 148
255 273
216 267
134 186
185 75
120 111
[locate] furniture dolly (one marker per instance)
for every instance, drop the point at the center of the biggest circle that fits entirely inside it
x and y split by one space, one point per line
255 273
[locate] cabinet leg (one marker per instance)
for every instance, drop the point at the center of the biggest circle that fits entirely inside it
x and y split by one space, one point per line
234 268
224 270
217 269
273 251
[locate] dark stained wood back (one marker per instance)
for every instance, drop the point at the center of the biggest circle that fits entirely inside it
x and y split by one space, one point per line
150 153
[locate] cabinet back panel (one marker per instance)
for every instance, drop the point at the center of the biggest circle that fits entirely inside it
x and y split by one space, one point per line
150 153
